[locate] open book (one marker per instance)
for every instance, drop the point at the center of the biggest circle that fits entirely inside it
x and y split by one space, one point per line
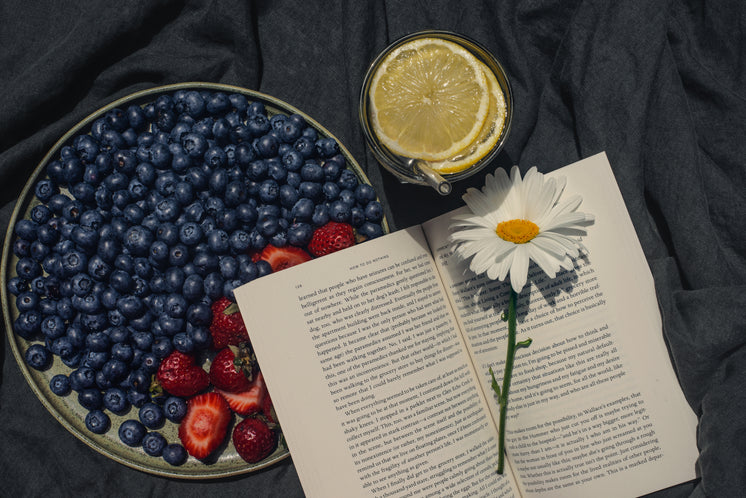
377 359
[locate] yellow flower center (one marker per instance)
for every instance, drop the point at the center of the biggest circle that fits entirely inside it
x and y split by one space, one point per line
517 231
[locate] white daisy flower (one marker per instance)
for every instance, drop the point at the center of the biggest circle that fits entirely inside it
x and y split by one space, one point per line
514 221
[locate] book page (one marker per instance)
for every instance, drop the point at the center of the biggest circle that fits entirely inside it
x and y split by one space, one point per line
594 406
369 375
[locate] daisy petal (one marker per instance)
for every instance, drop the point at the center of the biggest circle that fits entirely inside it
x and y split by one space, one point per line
519 268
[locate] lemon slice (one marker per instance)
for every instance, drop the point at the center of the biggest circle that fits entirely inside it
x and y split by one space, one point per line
488 135
429 99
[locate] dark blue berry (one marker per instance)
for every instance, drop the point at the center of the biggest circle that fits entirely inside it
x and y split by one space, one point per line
91 398
132 432
175 454
97 422
151 415
115 400
153 443
60 385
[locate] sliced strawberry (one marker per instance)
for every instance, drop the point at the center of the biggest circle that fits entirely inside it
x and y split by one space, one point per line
330 238
280 258
227 326
181 376
205 425
249 401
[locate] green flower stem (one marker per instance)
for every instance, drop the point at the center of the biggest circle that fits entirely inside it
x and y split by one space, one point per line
502 394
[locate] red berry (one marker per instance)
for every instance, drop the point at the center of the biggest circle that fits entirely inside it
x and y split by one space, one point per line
205 425
254 439
280 258
227 326
248 401
179 375
232 370
330 238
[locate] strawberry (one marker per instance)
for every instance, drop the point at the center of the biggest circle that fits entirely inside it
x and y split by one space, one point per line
179 375
248 401
205 425
280 258
232 369
254 439
227 325
331 237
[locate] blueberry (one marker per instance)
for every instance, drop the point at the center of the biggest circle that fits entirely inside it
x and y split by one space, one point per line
122 351
235 193
95 360
132 432
176 305
82 378
52 327
151 415
347 180
120 281
199 314
26 229
137 399
193 104
17 285
138 380
370 230
46 188
305 147
267 145
22 248
357 216
115 400
91 398
257 124
247 270
27 268
97 421
182 342
256 108
239 241
190 233
193 289
246 213
303 209
162 347
213 285
374 211
263 268
28 324
175 454
60 385
48 234
268 225
109 249
348 197
153 443
149 363
205 262
27 301
137 240
312 172
168 209
339 211
311 190
194 144
200 336
299 234
130 306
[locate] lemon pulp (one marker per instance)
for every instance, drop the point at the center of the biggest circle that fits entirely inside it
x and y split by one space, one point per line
429 99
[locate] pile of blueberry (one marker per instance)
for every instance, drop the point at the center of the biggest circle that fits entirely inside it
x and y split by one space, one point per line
148 218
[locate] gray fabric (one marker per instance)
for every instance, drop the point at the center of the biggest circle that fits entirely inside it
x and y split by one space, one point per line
658 85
